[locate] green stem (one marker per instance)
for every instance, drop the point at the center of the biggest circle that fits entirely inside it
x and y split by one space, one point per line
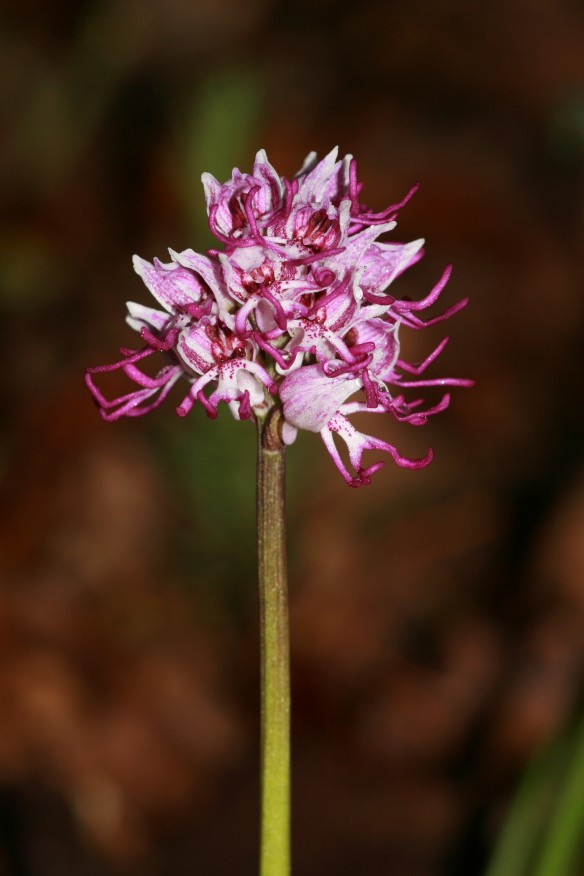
274 638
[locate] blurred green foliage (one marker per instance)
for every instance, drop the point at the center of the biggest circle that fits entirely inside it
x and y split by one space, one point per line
220 133
543 834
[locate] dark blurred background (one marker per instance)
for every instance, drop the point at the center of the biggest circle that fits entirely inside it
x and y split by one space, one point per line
437 616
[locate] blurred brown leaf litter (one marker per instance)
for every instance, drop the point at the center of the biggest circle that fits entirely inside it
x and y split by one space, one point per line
437 617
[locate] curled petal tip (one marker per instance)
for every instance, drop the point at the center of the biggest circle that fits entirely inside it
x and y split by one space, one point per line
426 460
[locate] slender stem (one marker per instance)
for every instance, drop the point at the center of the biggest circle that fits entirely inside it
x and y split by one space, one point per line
274 638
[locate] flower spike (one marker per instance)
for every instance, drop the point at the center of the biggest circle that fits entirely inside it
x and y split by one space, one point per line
292 309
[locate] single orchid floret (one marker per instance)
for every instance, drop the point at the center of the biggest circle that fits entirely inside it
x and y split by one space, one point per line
236 207
293 310
218 355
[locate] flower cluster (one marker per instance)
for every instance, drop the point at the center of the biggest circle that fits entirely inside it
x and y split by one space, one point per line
293 311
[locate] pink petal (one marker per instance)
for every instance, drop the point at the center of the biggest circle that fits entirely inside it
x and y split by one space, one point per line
311 398
171 284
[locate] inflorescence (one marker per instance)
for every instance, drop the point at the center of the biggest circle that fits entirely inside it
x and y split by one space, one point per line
293 311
